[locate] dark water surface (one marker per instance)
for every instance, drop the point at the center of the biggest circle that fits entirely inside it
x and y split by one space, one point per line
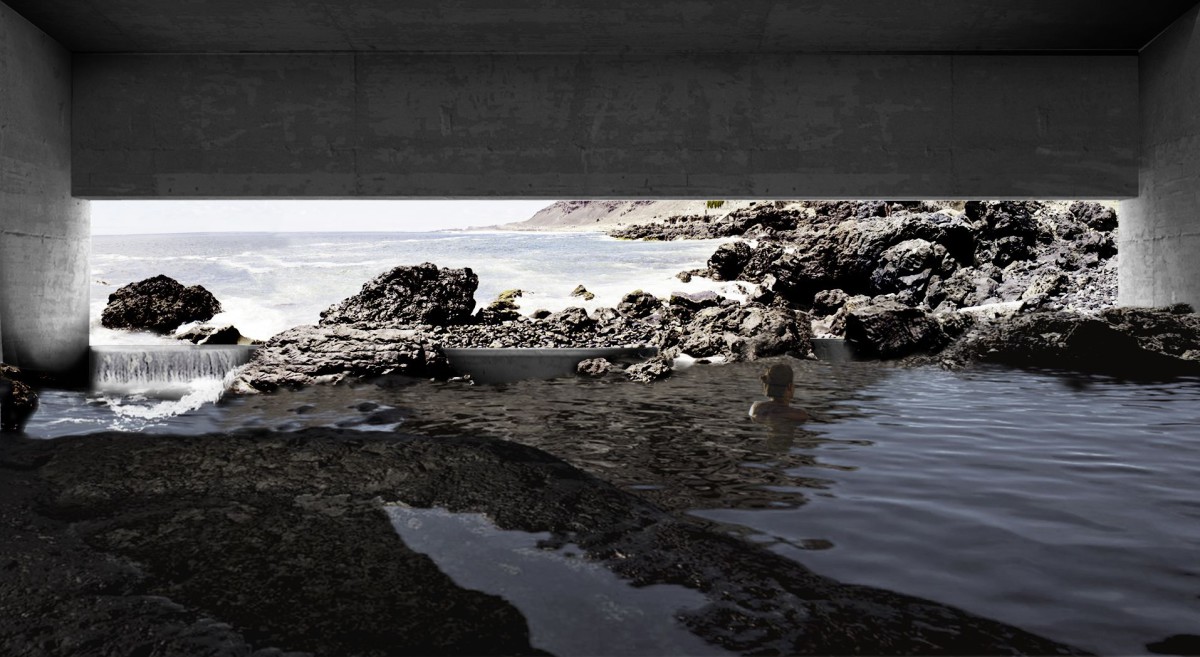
1066 506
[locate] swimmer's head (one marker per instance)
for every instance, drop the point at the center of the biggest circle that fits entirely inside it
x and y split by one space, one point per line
777 381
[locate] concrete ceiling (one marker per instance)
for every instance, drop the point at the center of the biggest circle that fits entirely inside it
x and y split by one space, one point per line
609 26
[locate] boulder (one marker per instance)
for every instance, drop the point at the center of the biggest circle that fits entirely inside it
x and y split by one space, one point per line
837 324
18 401
828 302
1136 343
907 266
214 335
572 320
594 367
1007 250
727 263
655 369
639 304
159 304
1046 285
581 291
747 332
761 259
687 304
1172 330
306 355
1094 215
503 309
887 329
406 295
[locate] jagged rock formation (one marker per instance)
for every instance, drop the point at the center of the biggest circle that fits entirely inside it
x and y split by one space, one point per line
305 355
203 334
420 294
700 325
18 400
939 257
888 274
1128 342
159 304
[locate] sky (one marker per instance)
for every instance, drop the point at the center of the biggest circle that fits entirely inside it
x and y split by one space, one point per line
136 217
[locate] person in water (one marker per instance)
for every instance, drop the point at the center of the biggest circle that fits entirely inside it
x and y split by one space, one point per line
777 384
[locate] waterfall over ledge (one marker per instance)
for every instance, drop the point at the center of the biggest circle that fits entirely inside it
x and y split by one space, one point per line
162 370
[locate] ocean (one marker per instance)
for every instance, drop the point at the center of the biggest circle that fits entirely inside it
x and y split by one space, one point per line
269 282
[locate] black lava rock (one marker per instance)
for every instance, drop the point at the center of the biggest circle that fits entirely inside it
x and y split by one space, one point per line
159 304
420 294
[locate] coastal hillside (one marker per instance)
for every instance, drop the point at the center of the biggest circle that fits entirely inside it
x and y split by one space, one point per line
613 215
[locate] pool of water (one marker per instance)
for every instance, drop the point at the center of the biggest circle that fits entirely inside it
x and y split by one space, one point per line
1064 505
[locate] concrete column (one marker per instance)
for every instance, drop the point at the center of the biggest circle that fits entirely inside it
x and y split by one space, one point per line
1160 229
44 232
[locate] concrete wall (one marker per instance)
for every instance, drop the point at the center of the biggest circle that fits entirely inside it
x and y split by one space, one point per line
699 126
44 233
1160 230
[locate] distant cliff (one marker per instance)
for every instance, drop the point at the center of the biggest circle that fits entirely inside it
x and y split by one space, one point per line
610 215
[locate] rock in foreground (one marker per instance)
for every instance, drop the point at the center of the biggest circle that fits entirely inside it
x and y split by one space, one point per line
887 329
160 305
305 355
229 544
18 401
1131 342
420 294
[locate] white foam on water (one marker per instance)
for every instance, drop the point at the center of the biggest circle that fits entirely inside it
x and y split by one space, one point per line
201 391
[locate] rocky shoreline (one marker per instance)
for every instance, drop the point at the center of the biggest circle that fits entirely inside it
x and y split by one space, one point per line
899 280
263 543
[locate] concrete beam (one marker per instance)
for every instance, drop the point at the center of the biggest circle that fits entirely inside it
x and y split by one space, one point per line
1160 229
693 126
44 233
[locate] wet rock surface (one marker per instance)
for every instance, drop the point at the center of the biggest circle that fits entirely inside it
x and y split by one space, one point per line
214 335
1128 342
18 400
936 258
159 304
888 329
306 355
655 369
702 325
420 294
268 544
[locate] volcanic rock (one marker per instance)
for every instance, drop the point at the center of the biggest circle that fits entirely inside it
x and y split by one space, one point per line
214 335
420 294
261 543
594 367
727 263
305 355
655 369
828 302
747 332
159 304
1094 215
639 304
887 329
1130 342
503 309
581 291
18 401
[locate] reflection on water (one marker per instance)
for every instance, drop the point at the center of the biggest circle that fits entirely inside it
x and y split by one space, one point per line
1064 506
573 606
